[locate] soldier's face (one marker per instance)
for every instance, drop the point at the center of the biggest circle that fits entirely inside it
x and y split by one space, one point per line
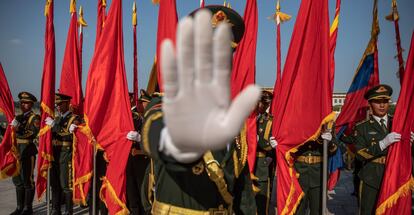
262 107
62 107
26 106
379 107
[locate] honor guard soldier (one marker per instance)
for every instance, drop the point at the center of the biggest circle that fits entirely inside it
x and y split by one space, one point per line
308 164
263 171
62 140
137 161
27 127
200 170
372 138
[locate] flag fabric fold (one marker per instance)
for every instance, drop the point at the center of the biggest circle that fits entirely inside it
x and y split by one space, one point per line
305 83
366 76
167 24
47 103
9 162
107 108
244 73
395 193
71 75
100 20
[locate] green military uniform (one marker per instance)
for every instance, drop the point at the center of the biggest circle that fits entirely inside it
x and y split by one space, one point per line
263 169
26 135
367 136
193 188
308 164
135 170
61 177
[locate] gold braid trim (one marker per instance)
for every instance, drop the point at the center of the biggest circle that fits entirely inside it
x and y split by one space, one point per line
267 130
241 141
81 180
327 119
216 174
364 153
145 131
107 185
46 109
15 153
151 183
392 200
289 160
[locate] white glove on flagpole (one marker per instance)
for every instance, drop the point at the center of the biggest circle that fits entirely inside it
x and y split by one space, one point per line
412 137
134 136
273 142
198 111
14 123
50 122
389 139
72 128
326 136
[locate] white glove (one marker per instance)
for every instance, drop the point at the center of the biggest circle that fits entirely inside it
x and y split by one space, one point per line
326 136
134 136
273 142
197 107
389 139
412 137
50 122
72 128
14 123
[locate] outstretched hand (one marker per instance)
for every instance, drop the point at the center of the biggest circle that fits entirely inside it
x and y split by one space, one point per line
198 110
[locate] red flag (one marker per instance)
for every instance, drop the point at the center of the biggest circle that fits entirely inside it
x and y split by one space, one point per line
100 19
305 98
71 76
107 108
167 24
394 17
244 73
47 103
395 194
9 162
82 163
134 24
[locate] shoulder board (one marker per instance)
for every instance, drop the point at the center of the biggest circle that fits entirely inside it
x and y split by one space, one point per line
362 122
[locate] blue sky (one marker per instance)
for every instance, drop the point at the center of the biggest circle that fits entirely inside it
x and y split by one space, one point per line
22 25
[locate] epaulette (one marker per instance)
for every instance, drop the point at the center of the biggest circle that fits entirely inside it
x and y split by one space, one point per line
362 122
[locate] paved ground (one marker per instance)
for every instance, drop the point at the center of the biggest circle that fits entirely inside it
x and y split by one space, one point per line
342 203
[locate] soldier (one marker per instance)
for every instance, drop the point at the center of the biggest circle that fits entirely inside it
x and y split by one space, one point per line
372 137
263 170
137 162
61 171
308 164
200 169
26 126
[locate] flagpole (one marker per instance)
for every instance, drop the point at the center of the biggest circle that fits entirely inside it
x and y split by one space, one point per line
135 82
324 175
94 180
48 192
394 17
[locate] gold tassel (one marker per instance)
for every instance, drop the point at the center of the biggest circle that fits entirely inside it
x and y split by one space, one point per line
155 1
